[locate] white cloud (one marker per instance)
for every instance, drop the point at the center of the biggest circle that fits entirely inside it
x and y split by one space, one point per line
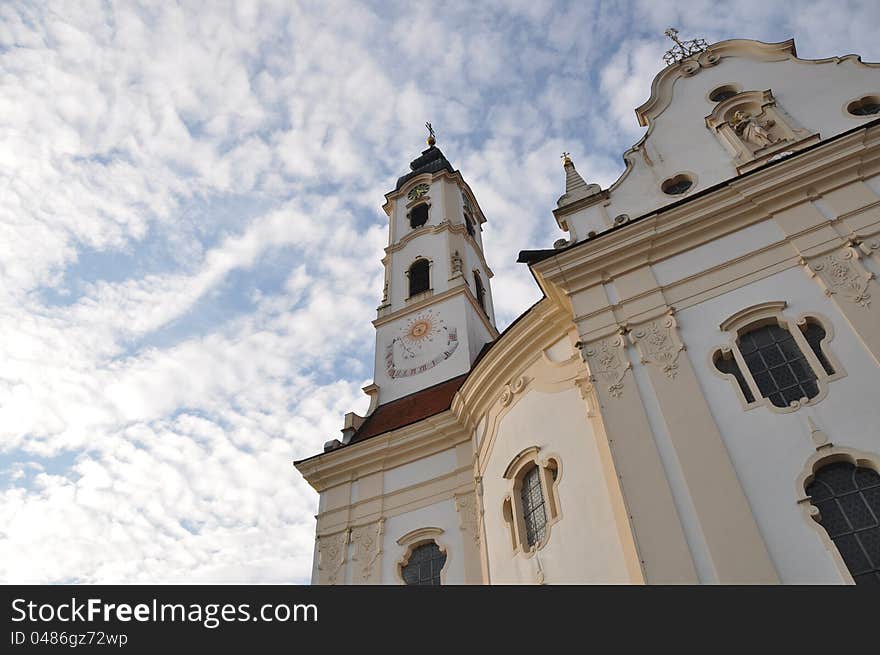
160 162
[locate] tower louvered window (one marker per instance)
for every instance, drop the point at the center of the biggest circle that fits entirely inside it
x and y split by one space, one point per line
419 276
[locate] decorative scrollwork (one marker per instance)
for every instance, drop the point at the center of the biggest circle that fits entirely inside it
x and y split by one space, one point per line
331 555
842 273
682 49
466 506
607 361
367 540
658 344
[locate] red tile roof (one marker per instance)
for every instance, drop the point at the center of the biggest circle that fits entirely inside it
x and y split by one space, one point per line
409 409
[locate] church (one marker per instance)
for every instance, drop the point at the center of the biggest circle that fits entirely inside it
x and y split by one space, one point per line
694 399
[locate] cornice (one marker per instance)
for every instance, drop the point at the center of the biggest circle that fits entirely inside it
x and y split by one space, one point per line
463 289
444 226
426 437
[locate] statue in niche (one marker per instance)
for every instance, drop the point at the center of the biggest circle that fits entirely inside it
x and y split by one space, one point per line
456 263
752 130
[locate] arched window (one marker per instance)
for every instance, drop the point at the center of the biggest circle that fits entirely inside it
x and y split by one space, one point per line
777 365
848 499
418 216
534 513
424 564
531 505
419 276
479 291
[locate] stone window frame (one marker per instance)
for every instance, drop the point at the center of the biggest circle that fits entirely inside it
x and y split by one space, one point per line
825 455
419 537
770 313
512 511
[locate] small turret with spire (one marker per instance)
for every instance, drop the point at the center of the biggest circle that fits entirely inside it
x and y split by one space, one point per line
575 186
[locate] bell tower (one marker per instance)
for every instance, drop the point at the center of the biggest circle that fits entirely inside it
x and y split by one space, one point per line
436 311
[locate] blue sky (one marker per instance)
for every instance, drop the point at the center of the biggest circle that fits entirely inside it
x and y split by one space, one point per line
190 236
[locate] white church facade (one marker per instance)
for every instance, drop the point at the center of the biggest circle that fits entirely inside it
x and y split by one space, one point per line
695 398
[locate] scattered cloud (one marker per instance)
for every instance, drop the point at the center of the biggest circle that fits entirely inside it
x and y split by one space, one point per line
190 237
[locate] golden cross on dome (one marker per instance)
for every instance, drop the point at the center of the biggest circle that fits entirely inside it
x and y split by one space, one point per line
431 139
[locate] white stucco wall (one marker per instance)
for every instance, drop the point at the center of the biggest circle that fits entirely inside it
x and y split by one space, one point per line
584 546
769 450
418 471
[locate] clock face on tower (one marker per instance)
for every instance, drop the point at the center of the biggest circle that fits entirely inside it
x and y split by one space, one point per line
421 343
418 191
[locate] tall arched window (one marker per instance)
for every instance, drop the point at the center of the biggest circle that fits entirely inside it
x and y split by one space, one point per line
848 499
534 513
419 276
479 291
531 506
418 216
424 564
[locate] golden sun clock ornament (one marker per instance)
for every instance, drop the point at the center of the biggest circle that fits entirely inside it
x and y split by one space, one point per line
418 191
423 342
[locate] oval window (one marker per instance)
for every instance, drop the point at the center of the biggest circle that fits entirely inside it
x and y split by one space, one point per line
677 185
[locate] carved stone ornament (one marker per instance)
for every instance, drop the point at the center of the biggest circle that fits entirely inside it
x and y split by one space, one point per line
331 556
841 273
818 437
587 391
466 506
658 344
456 263
367 540
870 246
509 390
608 362
754 129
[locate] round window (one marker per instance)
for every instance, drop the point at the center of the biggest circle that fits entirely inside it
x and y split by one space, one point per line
723 93
677 185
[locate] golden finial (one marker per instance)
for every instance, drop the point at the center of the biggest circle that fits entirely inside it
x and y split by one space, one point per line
431 139
566 158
